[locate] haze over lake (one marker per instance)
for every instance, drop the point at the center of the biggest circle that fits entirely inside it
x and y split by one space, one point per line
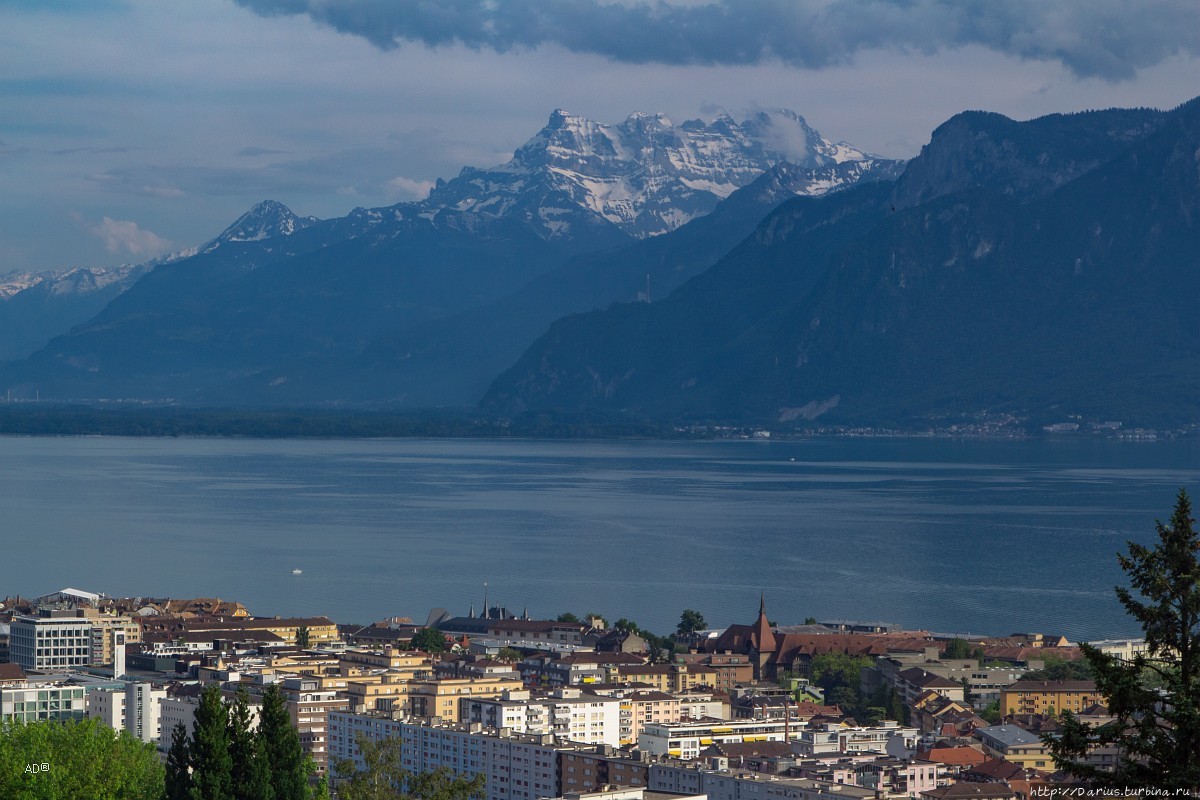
962 536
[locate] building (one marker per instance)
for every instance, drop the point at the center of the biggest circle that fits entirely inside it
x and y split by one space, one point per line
1015 745
695 779
178 707
833 738
515 766
565 713
1048 697
687 739
666 677
438 698
136 708
34 700
54 640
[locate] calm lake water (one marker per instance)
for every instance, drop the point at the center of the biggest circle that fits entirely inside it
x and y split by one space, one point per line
982 537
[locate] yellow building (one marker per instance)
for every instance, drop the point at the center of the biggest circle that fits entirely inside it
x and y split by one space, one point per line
439 697
1048 697
358 661
665 677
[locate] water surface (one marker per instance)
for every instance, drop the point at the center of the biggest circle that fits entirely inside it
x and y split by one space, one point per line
991 537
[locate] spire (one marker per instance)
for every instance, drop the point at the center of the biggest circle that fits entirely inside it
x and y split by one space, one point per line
472 614
764 637
525 615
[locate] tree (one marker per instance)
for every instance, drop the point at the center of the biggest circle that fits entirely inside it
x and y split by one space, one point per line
690 621
382 777
566 616
429 640
178 774
895 707
810 620
626 625
212 765
509 654
302 637
1153 697
251 773
1059 669
54 760
279 744
958 648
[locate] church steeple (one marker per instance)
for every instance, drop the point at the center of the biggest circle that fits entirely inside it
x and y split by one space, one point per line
764 637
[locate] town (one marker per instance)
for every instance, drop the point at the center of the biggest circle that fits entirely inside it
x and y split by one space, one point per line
576 706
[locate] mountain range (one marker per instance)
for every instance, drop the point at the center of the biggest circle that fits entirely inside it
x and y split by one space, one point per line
281 309
1047 269
750 272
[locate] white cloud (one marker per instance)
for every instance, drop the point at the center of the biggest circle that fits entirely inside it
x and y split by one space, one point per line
409 189
124 236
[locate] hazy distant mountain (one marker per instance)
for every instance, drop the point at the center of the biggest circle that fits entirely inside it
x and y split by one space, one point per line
285 309
1045 268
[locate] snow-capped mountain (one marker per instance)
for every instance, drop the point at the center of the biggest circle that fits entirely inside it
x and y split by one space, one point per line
646 175
77 280
266 220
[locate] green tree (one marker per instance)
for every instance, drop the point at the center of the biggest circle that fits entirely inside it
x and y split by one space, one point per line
1059 669
566 616
895 707
178 773
625 625
991 713
1154 697
958 648
690 621
509 654
83 759
810 620
322 791
302 637
429 640
251 773
382 777
212 764
279 744
444 784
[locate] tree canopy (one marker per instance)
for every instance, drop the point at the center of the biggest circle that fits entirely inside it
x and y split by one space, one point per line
1154 697
53 760
429 640
690 621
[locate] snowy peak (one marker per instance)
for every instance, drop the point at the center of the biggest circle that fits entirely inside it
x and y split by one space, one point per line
266 220
645 175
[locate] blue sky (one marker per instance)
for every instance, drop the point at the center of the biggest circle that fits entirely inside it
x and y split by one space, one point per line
129 128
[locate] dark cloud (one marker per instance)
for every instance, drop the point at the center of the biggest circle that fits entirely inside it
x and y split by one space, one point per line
1110 39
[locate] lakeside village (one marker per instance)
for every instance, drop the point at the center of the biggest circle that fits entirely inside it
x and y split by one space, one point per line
576 707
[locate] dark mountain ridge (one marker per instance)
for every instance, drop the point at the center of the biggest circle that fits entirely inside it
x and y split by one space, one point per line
1009 271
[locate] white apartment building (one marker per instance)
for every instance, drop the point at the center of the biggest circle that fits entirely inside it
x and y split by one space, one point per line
137 708
180 709
565 713
47 643
686 739
889 737
515 766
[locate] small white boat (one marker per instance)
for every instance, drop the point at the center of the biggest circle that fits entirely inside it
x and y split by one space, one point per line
297 572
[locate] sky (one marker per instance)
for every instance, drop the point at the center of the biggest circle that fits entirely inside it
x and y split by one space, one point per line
134 128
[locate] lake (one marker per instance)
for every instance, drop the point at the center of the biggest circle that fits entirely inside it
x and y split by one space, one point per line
963 536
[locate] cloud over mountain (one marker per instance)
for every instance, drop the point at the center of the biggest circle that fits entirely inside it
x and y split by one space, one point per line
1109 39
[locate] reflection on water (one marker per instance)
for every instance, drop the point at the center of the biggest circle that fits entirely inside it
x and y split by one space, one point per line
964 536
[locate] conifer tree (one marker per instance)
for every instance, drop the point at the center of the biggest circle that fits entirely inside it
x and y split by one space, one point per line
1154 697
251 773
280 746
179 775
212 766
